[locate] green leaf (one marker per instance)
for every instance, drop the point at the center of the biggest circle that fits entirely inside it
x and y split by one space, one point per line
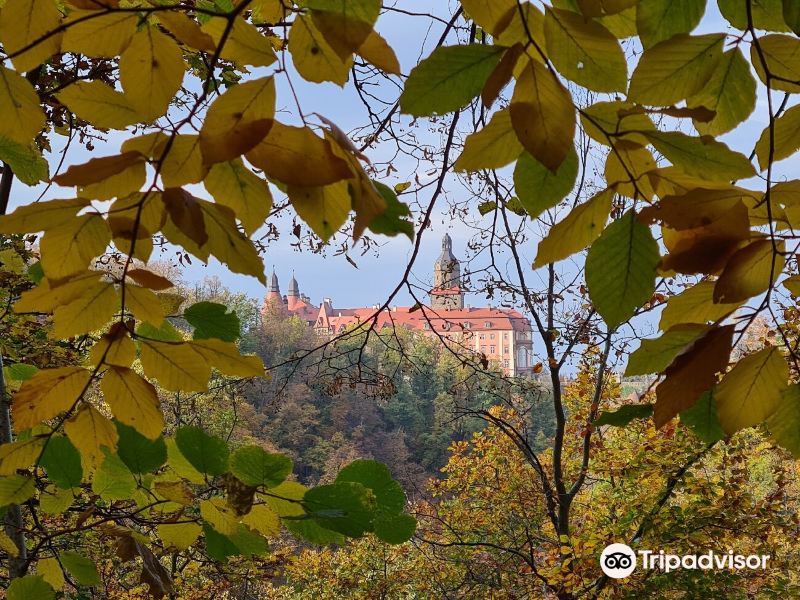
16 489
494 146
375 476
659 20
786 140
704 156
211 320
621 269
702 419
782 56
248 542
345 507
395 529
538 187
218 546
624 415
255 467
784 423
448 79
208 454
36 272
766 14
675 69
653 356
30 587
391 222
27 163
20 371
113 480
140 454
791 14
311 531
584 51
165 333
82 569
731 93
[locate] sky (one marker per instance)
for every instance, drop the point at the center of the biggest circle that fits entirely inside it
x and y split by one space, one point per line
379 271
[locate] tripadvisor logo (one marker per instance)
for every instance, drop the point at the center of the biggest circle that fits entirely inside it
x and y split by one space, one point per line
619 561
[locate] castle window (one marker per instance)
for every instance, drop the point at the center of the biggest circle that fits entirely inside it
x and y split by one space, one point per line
505 349
491 336
467 325
487 324
483 336
505 363
493 349
426 325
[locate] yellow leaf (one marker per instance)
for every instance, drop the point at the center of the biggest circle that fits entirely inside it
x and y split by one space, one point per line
99 34
244 45
144 304
793 285
147 145
41 216
48 393
97 169
269 11
26 22
296 156
377 51
494 146
750 271
579 229
8 545
694 305
49 295
125 214
72 247
186 30
264 520
176 365
238 120
119 185
625 170
606 122
226 358
151 71
493 16
730 93
313 56
179 535
114 348
133 401
99 104
89 431
786 138
543 115
175 491
237 187
751 391
51 572
86 313
324 209
19 455
23 118
285 499
55 501
219 516
227 243
183 163
782 55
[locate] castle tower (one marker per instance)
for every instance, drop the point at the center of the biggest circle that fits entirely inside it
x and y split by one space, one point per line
274 290
447 293
293 295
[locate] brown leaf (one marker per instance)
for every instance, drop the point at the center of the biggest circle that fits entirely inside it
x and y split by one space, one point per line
94 4
97 169
749 272
186 214
501 75
150 280
692 373
241 138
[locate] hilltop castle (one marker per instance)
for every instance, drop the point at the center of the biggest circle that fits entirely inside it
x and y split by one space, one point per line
501 336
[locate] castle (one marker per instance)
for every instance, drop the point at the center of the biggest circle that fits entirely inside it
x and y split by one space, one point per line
502 337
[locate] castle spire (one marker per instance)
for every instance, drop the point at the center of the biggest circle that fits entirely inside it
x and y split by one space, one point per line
447 292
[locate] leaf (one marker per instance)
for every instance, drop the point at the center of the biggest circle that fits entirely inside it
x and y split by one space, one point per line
704 156
311 531
90 432
376 50
584 51
782 57
692 373
264 520
176 491
179 535
675 69
244 45
16 489
26 24
392 221
325 208
82 569
395 529
730 93
237 187
41 216
85 313
208 454
48 393
97 169
313 56
285 499
375 476
580 227
72 247
255 467
19 455
150 280
227 244
538 188
785 143
791 14
99 104
133 401
502 74
766 14
659 20
494 146
144 304
345 507
50 570
296 156
626 170
180 465
653 356
784 423
695 305
494 16
23 118
62 462
113 481
226 358
218 546
19 372
186 30
220 516
607 122
750 271
183 162
751 391
448 79
621 269
26 162
99 35
176 366
702 419
623 415
543 116
55 502
151 71
211 320
30 587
